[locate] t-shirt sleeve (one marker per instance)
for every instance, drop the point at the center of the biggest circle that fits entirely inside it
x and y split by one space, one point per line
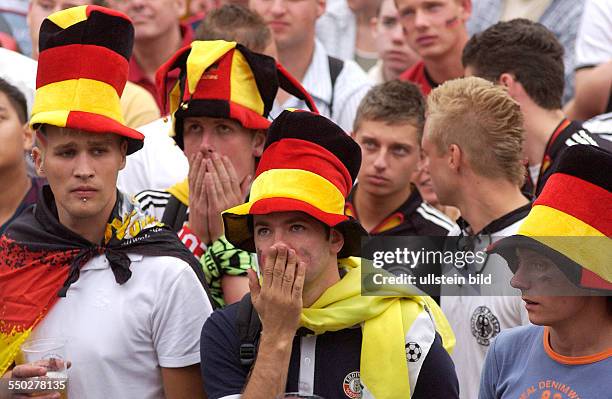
437 378
594 40
222 373
489 374
177 320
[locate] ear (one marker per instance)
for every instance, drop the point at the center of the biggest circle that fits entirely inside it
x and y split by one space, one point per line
336 239
28 137
181 7
259 139
455 157
374 26
321 4
466 10
38 157
123 148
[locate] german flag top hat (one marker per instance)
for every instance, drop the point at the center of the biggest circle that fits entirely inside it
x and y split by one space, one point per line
222 79
82 70
309 164
571 221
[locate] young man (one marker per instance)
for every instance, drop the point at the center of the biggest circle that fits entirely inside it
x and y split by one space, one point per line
526 58
138 106
219 112
567 289
159 34
394 53
85 264
388 128
472 144
436 31
336 86
22 191
295 223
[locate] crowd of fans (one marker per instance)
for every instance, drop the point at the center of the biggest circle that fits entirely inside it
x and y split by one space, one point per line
189 186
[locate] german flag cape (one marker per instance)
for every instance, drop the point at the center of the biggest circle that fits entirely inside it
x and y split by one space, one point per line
40 258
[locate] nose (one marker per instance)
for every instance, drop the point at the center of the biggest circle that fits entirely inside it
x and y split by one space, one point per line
83 168
380 162
207 143
420 19
397 33
520 280
278 7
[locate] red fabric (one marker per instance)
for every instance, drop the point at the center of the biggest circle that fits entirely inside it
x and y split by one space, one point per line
589 279
30 281
137 76
583 200
270 205
248 118
215 83
416 75
82 61
301 154
8 42
95 123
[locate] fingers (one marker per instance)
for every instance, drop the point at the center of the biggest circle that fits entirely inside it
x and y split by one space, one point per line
290 270
29 370
298 283
254 286
279 265
237 190
224 182
268 266
245 186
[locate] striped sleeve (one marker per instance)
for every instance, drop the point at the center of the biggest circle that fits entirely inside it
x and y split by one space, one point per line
153 202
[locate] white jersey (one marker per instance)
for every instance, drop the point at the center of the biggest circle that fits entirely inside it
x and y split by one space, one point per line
476 320
118 336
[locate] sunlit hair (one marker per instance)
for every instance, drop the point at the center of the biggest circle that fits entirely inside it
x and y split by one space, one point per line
484 121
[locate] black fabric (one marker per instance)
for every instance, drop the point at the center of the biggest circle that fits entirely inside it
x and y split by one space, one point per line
335 67
499 224
175 214
338 354
39 230
586 162
304 125
195 108
99 29
248 326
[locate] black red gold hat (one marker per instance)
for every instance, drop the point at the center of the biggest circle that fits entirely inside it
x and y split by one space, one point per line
222 79
309 165
82 70
571 221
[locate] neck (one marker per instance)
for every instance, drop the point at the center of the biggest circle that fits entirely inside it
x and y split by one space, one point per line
12 194
372 209
577 337
448 66
314 289
152 53
488 200
92 227
296 59
539 127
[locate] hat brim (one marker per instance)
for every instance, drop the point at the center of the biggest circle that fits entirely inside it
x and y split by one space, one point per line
239 232
91 123
507 247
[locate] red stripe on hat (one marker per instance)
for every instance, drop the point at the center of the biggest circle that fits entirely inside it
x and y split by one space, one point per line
588 279
270 205
214 84
579 198
305 155
82 61
247 117
94 123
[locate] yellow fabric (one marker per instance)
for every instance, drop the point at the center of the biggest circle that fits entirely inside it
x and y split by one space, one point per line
581 242
243 87
85 95
9 348
55 118
296 184
69 16
386 320
138 106
181 191
203 54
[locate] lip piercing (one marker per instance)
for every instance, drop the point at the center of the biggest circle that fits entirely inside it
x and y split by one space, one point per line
84 199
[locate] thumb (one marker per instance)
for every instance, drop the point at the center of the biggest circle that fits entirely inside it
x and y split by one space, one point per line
254 286
245 186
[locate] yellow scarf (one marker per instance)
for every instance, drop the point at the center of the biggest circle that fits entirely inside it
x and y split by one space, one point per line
386 320
181 191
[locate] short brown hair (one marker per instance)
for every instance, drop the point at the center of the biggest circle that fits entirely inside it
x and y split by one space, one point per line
482 119
393 102
525 49
233 22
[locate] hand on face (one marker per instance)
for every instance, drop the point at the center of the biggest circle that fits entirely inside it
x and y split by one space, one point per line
213 187
278 300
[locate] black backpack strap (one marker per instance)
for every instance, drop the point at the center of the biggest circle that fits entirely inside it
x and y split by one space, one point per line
248 327
175 214
335 67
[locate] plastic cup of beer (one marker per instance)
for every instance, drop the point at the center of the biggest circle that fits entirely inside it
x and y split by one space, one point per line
50 352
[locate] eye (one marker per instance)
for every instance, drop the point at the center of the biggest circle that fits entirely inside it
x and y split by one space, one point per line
99 151
262 231
224 129
297 227
193 128
368 145
389 23
407 13
66 153
401 151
